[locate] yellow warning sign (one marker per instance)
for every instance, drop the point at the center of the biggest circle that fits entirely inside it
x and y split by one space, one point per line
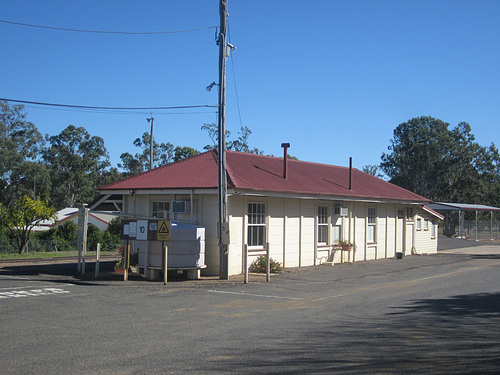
163 233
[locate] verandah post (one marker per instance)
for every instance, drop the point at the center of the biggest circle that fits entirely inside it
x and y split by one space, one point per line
268 263
245 265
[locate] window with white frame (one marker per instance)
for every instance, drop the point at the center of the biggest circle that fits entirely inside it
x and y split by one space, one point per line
256 224
372 225
337 210
433 229
161 210
419 223
426 224
322 225
409 213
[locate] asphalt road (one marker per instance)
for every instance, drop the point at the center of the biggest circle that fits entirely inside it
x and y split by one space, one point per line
436 314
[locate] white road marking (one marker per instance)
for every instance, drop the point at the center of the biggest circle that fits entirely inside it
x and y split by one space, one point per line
33 286
465 269
44 291
253 295
360 290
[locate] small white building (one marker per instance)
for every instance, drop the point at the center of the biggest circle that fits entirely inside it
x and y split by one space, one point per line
302 215
99 219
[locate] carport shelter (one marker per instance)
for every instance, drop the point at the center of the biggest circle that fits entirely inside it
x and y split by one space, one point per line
461 208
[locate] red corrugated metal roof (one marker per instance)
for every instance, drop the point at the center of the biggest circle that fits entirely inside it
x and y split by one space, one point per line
265 174
435 213
198 171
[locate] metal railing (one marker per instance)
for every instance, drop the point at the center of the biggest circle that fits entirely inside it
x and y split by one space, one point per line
481 230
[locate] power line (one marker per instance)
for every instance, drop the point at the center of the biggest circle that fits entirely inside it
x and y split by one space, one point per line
108 32
108 108
123 112
234 79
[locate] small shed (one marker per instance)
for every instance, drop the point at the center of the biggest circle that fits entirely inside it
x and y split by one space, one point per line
100 219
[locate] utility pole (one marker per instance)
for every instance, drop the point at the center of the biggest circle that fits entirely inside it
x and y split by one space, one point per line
152 121
222 169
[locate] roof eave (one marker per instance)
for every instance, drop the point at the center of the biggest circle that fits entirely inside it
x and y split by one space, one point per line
309 195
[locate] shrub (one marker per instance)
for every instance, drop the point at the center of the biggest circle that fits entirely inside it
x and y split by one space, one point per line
67 231
109 241
259 265
7 243
60 238
115 226
94 237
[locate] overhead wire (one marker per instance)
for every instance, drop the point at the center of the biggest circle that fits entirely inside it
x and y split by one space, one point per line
105 109
119 112
107 31
234 78
102 109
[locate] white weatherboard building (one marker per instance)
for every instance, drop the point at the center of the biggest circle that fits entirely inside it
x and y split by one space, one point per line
303 215
100 219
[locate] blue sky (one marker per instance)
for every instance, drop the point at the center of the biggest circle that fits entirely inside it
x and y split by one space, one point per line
333 78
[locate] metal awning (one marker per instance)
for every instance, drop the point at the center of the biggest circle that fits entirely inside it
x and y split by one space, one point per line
441 206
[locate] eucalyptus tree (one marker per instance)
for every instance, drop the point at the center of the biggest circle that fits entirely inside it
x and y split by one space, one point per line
21 145
184 152
163 153
76 161
241 144
442 164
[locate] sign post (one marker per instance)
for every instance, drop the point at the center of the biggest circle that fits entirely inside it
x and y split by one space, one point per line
165 262
163 231
97 260
83 212
145 230
245 265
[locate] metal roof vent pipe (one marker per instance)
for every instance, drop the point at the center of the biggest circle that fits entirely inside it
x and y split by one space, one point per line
350 173
285 158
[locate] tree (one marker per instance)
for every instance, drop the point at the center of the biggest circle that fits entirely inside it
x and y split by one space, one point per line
373 170
109 176
75 160
213 133
441 164
240 144
184 152
24 215
20 148
163 153
3 214
416 158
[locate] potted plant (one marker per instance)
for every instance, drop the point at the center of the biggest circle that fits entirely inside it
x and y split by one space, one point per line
346 245
119 266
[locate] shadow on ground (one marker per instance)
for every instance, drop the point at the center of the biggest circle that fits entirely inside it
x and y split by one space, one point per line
459 335
68 272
